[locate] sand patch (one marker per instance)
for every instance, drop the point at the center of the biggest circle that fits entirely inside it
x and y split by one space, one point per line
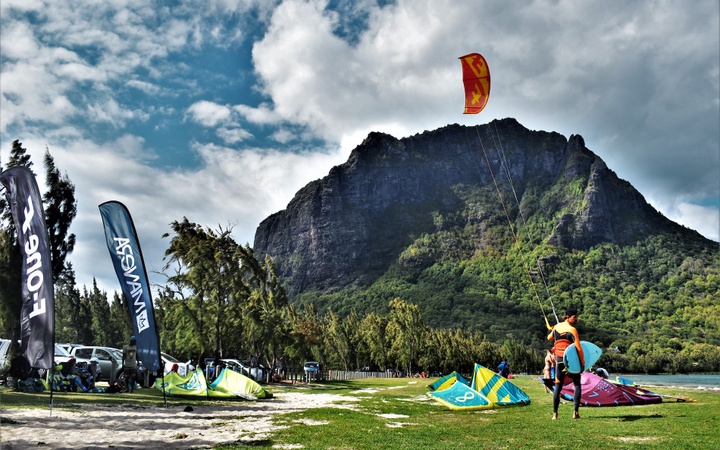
132 426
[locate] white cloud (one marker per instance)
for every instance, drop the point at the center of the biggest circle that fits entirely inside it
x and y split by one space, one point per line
700 218
209 114
148 88
232 136
262 115
640 81
703 219
283 136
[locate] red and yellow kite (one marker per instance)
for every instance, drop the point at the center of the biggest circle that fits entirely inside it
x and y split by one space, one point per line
476 78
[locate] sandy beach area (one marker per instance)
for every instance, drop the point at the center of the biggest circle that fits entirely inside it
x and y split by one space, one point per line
130 426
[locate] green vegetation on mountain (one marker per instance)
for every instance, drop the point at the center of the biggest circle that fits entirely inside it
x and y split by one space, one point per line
654 305
487 248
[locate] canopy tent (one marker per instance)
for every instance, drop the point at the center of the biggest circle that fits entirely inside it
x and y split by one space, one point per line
228 384
487 390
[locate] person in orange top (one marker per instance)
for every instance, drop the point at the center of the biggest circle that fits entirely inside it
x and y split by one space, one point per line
564 334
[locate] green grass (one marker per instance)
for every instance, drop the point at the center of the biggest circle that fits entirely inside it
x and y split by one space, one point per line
413 421
141 398
420 423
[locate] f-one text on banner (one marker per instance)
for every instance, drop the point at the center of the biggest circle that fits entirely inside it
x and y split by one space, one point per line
37 316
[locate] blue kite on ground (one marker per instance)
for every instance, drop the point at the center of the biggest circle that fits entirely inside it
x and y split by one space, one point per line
487 390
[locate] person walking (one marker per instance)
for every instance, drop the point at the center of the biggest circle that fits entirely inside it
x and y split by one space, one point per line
565 334
549 369
129 361
504 368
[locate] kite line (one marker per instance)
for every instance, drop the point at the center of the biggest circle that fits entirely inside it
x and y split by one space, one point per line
476 79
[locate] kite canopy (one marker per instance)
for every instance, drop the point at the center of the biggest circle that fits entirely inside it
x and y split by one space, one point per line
447 381
597 391
228 384
487 390
497 388
476 78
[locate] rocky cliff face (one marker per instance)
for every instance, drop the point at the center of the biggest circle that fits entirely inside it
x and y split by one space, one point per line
352 225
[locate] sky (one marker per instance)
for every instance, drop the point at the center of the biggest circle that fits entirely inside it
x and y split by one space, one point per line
221 110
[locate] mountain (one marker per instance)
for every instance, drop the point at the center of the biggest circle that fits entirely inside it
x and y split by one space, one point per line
490 228
418 200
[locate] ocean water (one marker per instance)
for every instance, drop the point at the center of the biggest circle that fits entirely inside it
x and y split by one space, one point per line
692 381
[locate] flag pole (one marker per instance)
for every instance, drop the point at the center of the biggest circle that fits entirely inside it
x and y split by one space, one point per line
51 398
163 385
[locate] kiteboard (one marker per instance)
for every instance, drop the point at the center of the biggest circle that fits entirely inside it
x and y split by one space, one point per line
572 361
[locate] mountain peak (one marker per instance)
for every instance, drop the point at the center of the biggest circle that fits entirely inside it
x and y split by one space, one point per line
355 223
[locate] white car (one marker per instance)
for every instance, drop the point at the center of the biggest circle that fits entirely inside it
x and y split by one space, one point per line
61 355
183 368
4 350
243 367
68 347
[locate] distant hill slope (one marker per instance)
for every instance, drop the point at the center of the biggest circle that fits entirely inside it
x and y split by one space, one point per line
415 202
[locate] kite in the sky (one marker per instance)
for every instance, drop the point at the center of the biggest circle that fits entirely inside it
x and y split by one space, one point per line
476 78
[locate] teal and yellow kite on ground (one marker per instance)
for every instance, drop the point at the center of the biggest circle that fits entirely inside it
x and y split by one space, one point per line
487 390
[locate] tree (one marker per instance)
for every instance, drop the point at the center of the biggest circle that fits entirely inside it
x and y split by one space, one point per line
267 319
119 325
9 284
60 210
208 269
73 318
341 338
406 330
100 310
306 340
373 330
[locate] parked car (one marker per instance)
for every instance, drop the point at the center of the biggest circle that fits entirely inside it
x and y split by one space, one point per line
4 350
312 370
311 366
60 354
109 360
183 368
68 347
244 367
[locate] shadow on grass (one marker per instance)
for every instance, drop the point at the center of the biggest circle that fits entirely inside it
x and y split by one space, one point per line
315 386
634 417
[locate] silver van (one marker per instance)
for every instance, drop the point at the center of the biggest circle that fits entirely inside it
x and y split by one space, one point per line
109 360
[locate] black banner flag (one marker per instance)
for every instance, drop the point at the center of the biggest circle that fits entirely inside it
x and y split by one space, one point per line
37 316
124 247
